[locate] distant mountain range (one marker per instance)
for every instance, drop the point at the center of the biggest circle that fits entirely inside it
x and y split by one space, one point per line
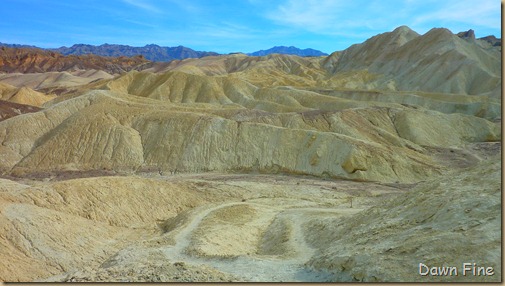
289 51
150 52
165 54
161 54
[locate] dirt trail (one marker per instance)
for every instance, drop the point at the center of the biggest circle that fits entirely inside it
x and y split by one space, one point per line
290 200
257 268
253 228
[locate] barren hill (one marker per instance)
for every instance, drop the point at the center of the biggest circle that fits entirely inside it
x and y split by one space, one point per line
437 61
237 107
23 95
26 60
460 209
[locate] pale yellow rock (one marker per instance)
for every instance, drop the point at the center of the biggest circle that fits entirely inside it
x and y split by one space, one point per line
58 227
23 95
114 131
444 130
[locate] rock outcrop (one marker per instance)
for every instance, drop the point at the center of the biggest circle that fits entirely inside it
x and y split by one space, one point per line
470 34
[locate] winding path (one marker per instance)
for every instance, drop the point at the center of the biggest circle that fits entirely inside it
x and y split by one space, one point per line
256 268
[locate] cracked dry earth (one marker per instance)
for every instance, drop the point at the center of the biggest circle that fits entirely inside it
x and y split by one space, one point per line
218 227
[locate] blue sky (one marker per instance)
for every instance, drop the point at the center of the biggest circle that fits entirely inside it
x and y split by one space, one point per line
233 26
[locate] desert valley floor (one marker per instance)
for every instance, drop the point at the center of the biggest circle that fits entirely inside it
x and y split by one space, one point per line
357 166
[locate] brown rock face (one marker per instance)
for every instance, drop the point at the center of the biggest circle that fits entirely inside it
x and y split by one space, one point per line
26 60
10 109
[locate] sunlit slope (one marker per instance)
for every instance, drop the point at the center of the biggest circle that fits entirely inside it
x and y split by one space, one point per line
204 150
23 95
437 61
110 130
225 91
182 87
53 80
438 71
268 70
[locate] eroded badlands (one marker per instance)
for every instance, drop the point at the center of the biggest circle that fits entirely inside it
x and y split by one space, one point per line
353 167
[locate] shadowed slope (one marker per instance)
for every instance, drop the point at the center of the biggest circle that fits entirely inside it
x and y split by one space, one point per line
449 221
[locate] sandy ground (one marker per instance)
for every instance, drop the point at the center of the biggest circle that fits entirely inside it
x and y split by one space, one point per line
256 233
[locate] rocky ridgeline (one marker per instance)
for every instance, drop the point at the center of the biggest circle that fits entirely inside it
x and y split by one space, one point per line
32 60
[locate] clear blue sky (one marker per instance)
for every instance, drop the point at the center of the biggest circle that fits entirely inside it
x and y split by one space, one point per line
232 26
